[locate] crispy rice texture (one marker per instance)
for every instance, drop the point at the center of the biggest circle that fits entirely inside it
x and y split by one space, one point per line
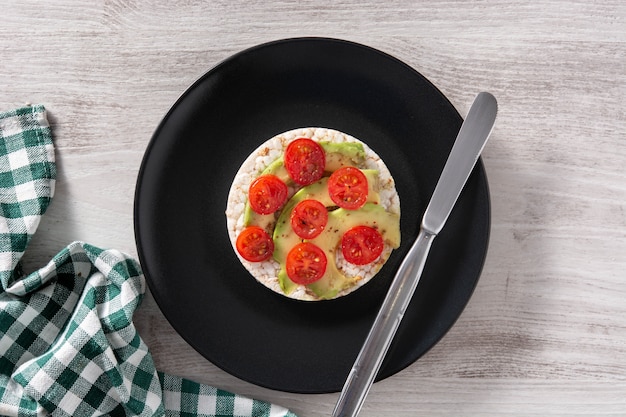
266 272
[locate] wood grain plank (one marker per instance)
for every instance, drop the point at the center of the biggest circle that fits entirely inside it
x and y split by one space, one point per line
545 331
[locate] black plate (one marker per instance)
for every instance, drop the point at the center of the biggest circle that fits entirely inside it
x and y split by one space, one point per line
180 226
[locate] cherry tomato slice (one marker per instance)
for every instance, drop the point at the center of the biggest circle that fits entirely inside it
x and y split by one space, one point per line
309 218
305 161
267 194
347 188
306 263
361 245
254 244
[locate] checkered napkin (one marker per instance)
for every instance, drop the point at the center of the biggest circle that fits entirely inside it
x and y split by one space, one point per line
68 346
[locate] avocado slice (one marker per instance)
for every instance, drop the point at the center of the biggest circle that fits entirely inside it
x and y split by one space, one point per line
339 221
342 154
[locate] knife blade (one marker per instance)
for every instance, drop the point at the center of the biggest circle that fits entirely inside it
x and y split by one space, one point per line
467 147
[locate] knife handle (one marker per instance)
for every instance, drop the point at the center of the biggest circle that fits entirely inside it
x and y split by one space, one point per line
385 325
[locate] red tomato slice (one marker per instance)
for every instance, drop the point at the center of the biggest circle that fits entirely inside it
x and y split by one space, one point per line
361 245
306 263
309 218
305 161
267 194
254 244
347 188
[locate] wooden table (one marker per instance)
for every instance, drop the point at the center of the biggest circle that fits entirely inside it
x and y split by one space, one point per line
545 331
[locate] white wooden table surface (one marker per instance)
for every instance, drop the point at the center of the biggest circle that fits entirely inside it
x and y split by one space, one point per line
545 331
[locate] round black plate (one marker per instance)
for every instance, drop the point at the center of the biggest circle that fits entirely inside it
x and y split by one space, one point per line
180 225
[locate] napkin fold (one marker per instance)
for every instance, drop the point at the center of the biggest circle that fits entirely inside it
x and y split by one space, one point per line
68 346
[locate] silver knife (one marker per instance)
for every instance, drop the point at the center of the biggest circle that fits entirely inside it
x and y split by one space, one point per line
467 147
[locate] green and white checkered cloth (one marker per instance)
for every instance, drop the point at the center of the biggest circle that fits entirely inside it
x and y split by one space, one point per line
68 346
